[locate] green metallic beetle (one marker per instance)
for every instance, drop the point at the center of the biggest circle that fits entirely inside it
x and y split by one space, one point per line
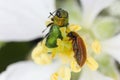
59 19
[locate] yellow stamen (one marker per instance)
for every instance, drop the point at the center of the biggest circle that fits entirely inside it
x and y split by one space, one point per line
74 66
64 73
64 50
63 31
92 64
64 46
40 54
74 27
54 76
96 46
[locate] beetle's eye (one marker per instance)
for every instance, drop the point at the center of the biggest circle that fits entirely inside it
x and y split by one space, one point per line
58 14
71 34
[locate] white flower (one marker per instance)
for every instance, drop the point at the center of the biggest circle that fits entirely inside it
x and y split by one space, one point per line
23 20
28 70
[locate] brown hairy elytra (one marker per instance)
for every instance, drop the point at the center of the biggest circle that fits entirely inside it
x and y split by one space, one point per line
78 48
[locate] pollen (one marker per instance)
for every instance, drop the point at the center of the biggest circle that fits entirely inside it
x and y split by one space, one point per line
91 63
96 46
54 76
40 54
74 27
63 73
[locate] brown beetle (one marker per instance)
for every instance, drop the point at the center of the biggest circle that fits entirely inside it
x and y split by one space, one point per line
78 48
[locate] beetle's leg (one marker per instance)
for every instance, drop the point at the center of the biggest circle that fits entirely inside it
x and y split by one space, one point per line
47 27
46 35
49 24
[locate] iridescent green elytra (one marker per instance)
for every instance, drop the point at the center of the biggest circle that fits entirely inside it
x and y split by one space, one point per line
60 19
53 36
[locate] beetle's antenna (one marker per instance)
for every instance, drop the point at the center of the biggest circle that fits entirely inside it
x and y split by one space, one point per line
51 14
47 27
44 30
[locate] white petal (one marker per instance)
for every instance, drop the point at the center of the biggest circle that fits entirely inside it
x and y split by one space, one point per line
22 20
112 46
27 70
115 8
91 8
105 27
93 75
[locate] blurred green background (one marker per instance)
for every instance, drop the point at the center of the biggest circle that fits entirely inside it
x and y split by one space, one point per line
15 51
